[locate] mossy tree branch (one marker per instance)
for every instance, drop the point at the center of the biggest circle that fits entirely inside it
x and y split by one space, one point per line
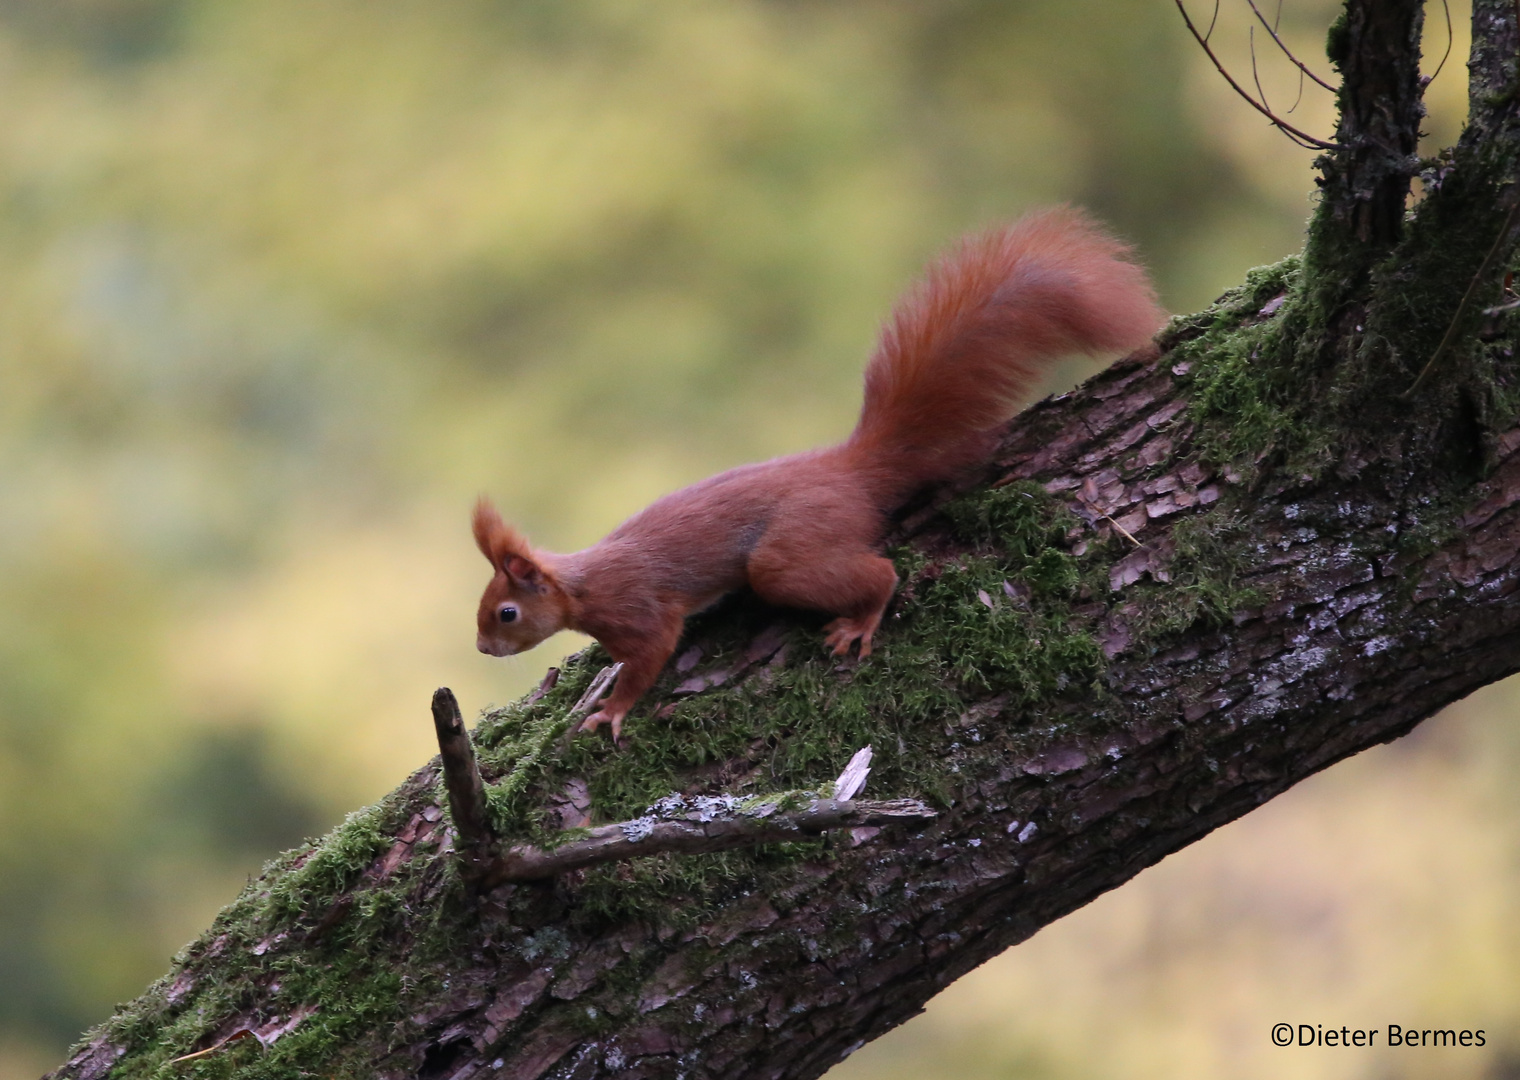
1318 569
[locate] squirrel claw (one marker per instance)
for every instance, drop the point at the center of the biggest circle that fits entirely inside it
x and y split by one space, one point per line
606 716
844 632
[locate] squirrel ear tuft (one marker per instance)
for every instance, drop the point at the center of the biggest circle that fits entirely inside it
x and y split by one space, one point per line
522 569
525 573
498 541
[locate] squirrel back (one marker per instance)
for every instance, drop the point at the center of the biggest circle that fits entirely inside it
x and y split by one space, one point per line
973 337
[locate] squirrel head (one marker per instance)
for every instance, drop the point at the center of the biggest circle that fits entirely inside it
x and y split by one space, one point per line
523 603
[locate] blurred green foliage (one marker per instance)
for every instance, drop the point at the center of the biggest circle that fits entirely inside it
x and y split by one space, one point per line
283 285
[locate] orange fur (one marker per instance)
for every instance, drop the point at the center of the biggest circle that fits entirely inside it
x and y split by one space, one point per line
959 352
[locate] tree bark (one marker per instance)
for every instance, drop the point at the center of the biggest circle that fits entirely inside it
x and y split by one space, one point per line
1376 47
1241 602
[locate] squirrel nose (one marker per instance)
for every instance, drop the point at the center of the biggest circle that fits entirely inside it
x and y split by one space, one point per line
482 644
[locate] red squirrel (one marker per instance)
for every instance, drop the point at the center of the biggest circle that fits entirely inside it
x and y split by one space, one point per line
802 531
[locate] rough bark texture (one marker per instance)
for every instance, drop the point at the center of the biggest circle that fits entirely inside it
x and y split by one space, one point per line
1245 582
1376 46
1493 69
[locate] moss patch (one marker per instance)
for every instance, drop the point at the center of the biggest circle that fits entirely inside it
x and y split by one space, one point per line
1232 355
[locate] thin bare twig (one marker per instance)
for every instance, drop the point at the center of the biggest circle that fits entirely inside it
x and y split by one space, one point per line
267 1034
237 1036
1484 268
1285 50
1300 98
1255 75
1276 22
698 825
1303 138
1445 7
1122 530
1099 515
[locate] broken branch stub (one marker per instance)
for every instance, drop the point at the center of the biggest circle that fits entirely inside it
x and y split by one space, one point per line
467 791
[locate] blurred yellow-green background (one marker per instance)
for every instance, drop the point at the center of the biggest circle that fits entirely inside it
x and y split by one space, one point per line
284 285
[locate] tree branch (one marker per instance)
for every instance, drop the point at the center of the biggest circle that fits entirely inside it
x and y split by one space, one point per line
674 824
700 825
1493 86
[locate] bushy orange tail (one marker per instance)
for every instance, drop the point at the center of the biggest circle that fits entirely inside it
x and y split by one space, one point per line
971 339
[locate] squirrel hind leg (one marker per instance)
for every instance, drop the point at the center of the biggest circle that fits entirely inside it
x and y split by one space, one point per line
854 585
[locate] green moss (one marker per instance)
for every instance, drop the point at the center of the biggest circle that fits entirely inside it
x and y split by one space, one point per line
1338 40
262 946
1292 387
333 866
1233 358
1018 518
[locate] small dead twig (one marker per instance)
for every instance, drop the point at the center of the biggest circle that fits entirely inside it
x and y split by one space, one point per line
461 778
267 1034
600 687
1303 138
1484 269
699 825
236 1036
550 680
1255 74
597 690
1122 530
1101 516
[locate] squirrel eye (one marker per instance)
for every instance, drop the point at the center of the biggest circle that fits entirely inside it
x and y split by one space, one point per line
508 613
